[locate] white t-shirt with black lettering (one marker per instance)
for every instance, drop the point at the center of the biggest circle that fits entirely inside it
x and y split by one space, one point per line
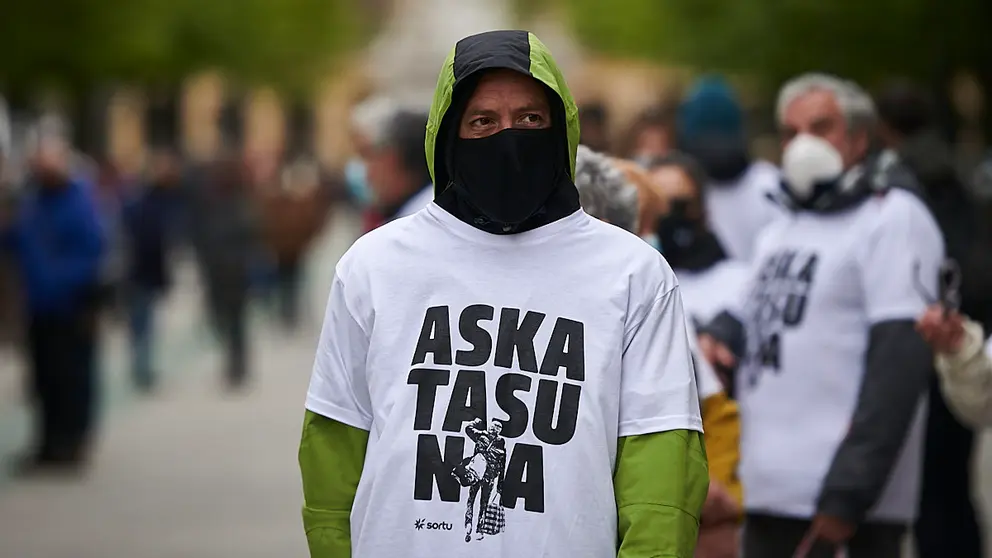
495 374
820 282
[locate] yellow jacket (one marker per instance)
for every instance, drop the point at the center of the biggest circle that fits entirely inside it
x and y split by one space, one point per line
722 435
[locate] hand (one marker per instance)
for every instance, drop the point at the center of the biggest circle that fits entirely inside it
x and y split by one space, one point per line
720 506
719 541
832 530
719 356
943 331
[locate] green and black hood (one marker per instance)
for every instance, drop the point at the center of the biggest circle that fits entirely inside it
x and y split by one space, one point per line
519 51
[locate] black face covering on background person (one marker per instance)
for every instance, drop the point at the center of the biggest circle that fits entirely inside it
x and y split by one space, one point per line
509 175
725 159
685 241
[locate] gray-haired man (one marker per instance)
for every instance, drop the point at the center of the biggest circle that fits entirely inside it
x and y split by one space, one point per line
833 374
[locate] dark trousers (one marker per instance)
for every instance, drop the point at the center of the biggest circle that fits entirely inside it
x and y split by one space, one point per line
229 317
141 304
288 292
947 525
767 536
63 374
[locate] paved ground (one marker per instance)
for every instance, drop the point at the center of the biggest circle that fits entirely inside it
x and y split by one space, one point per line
192 472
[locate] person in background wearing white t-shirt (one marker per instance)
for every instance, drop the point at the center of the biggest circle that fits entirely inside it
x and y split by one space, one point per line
710 279
606 194
710 128
832 386
397 173
503 301
964 363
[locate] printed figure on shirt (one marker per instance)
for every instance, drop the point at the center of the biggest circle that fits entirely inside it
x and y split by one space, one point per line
483 472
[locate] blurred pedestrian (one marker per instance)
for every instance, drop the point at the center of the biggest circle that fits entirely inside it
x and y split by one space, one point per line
948 525
397 172
710 279
711 130
605 193
10 298
834 378
58 245
369 121
506 252
229 245
292 215
151 223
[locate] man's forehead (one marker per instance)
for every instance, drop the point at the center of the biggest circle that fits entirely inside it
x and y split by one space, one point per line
817 103
498 86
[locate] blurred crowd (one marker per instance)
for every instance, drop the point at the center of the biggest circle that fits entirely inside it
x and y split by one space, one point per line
86 245
868 199
82 240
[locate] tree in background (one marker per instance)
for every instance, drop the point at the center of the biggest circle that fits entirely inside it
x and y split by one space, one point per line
771 40
80 42
79 46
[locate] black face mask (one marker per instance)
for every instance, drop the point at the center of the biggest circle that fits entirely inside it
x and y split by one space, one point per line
723 159
509 175
685 241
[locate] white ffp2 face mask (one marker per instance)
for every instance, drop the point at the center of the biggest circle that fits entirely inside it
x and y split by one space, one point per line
807 161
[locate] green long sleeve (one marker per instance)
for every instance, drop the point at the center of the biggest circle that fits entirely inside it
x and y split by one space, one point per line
332 455
660 483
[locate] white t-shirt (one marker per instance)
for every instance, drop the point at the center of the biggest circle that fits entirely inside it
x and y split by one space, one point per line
512 362
820 283
707 293
739 211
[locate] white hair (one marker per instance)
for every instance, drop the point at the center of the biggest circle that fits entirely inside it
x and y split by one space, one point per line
854 102
604 191
372 117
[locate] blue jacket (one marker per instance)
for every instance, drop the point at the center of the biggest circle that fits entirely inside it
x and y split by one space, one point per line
59 245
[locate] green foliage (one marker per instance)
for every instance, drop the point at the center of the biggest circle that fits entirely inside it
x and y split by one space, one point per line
774 39
80 42
526 9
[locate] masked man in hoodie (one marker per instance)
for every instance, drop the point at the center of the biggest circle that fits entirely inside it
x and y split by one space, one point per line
501 374
834 377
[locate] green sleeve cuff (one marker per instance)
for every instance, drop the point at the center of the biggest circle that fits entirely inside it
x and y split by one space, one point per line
331 456
660 483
